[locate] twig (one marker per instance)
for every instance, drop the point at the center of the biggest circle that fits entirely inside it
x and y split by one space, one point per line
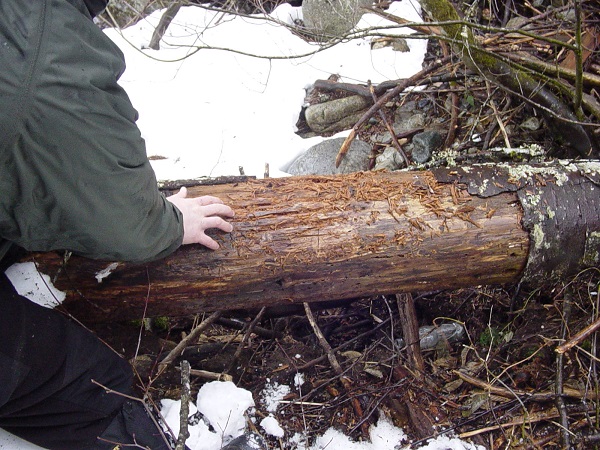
146 407
587 78
453 120
580 336
163 24
500 123
142 324
240 325
184 412
388 126
511 393
578 94
425 29
525 419
211 375
247 334
336 366
560 401
541 443
380 88
179 348
342 346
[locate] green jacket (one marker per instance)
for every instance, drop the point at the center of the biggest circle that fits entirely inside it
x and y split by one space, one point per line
74 174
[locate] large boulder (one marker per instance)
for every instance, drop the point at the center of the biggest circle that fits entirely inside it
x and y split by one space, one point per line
328 20
320 159
336 115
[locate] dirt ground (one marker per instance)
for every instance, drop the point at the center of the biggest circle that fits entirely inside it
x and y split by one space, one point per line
496 387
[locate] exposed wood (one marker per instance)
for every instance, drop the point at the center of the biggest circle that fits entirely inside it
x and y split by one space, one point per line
308 239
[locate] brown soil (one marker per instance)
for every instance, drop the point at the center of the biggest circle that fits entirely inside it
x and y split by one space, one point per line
504 399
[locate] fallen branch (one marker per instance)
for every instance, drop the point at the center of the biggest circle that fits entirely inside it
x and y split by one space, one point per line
514 79
523 395
184 412
582 335
211 375
410 331
180 347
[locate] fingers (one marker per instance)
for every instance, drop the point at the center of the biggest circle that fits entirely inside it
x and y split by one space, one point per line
208 242
208 200
217 209
216 222
203 200
196 232
201 214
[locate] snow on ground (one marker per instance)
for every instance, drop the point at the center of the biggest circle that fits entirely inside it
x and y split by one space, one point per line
217 110
210 111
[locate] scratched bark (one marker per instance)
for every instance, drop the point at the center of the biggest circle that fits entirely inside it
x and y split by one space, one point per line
310 239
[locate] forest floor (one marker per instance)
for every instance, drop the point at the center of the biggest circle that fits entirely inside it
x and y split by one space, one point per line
495 387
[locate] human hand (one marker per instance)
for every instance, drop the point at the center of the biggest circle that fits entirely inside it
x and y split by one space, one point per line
199 215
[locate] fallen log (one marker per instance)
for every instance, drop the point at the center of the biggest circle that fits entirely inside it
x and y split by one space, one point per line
319 238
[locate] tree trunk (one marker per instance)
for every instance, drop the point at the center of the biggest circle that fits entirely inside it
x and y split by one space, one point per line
316 238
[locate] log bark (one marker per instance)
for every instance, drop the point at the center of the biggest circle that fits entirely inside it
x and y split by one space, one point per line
317 238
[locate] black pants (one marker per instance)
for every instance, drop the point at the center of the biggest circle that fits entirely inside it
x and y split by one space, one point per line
47 365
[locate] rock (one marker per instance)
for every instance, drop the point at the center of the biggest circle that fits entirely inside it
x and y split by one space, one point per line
327 20
410 123
531 124
385 138
424 144
390 159
400 45
336 115
397 44
320 158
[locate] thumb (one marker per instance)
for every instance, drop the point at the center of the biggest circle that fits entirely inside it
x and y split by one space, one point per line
182 193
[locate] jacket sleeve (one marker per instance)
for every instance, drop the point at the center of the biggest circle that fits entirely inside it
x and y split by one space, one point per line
75 174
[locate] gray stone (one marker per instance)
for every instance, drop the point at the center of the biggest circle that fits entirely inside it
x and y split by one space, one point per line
424 144
385 138
397 44
409 123
332 19
336 115
400 45
320 159
390 159
532 124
